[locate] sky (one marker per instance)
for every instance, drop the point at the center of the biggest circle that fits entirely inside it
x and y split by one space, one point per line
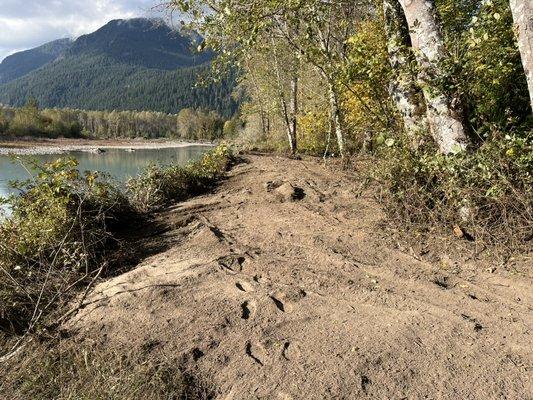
25 24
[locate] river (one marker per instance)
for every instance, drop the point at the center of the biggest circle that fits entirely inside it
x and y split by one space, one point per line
120 164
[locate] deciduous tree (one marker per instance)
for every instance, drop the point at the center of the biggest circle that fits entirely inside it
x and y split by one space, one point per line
443 116
405 92
523 16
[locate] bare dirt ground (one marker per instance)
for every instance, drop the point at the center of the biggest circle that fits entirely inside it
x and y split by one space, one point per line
282 284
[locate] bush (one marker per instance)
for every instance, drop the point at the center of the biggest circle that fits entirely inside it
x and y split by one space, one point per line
488 193
367 105
159 185
64 221
485 69
313 132
53 239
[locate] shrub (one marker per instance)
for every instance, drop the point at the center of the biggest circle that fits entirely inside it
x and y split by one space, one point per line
159 185
485 69
53 239
313 132
63 222
487 193
368 107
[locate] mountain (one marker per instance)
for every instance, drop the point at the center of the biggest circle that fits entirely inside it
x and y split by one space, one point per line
20 64
143 42
136 64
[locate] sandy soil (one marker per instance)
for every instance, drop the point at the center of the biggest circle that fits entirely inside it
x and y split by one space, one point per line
33 146
283 285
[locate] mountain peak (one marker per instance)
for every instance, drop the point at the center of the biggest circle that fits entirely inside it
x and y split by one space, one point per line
145 42
127 64
138 22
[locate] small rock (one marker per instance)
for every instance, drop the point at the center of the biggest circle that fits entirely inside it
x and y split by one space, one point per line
458 232
272 185
289 193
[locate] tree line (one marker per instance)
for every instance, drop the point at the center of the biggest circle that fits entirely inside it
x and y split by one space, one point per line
96 82
188 124
448 71
438 92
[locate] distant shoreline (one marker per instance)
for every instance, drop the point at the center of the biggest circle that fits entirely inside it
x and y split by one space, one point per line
32 146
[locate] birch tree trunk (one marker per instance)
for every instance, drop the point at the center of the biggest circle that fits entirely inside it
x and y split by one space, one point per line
287 117
407 96
293 125
264 130
288 126
523 17
445 124
337 118
334 103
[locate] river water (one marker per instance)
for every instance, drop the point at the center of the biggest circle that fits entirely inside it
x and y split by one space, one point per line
118 163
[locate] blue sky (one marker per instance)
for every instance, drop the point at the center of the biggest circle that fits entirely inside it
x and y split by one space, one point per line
30 23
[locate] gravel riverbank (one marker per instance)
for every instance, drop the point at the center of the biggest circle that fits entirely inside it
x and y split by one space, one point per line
60 146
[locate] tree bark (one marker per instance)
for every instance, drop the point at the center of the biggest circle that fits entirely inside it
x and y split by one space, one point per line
407 96
523 17
287 119
337 118
336 113
287 116
293 126
444 121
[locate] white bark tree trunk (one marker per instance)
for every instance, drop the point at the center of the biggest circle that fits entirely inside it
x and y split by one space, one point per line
445 124
407 96
523 17
288 117
337 119
288 126
293 123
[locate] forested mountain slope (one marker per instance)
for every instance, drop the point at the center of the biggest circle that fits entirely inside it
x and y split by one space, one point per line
137 64
143 42
24 62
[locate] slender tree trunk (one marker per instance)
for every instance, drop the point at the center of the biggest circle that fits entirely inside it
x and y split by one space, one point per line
337 118
291 129
407 96
445 123
523 17
336 113
288 125
295 70
263 123
262 113
293 114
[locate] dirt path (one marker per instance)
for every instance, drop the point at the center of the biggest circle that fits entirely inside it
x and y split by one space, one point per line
272 292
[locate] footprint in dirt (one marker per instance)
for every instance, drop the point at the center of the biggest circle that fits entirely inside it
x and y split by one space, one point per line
244 286
284 301
291 351
281 305
256 352
248 309
231 264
